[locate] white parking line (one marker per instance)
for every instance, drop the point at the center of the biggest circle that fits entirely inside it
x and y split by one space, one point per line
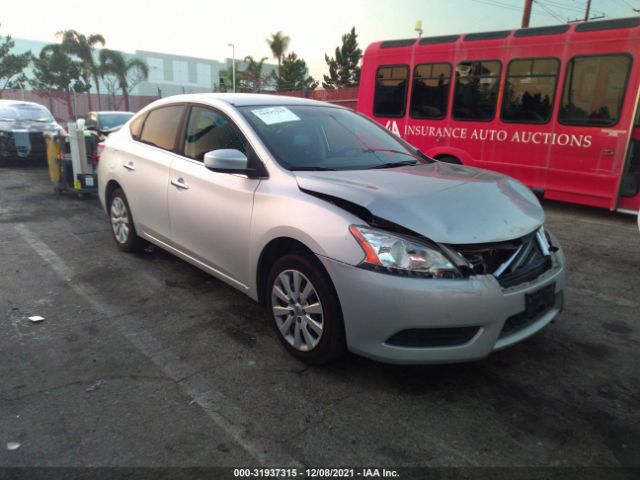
224 414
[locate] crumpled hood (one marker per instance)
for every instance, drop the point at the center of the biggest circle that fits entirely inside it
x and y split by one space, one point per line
443 202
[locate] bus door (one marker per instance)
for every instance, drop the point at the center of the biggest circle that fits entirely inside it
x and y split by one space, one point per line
630 181
590 141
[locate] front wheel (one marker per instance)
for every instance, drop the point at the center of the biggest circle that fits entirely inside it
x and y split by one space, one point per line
122 227
305 309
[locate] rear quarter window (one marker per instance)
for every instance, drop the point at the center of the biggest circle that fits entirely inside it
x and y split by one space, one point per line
136 126
161 127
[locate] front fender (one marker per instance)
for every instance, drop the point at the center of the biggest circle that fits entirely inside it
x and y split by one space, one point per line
319 225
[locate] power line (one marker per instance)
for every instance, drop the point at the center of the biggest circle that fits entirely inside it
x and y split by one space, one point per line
511 7
573 8
496 3
636 10
549 11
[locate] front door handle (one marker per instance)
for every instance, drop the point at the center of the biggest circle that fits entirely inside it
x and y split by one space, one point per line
129 166
180 184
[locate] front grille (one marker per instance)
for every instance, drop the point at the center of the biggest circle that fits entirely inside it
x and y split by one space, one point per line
513 262
432 337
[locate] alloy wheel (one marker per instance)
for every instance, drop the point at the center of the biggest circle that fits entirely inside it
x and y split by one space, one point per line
297 310
120 220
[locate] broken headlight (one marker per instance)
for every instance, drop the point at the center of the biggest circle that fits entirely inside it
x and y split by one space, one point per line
391 253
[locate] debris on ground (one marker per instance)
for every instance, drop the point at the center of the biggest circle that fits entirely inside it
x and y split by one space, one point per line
96 386
36 318
13 445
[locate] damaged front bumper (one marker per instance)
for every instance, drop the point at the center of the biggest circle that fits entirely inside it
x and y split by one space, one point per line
418 321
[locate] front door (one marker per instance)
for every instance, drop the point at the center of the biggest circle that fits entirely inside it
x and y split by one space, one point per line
210 212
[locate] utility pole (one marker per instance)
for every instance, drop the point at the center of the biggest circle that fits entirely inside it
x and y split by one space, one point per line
586 13
526 15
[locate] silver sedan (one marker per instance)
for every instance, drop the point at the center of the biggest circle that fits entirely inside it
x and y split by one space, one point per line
352 238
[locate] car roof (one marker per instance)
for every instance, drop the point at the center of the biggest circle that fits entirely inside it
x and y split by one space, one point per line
243 99
10 103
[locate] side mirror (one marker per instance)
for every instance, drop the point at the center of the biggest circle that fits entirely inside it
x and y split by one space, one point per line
226 160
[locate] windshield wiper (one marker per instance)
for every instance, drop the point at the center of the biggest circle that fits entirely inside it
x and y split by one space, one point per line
313 169
394 164
389 150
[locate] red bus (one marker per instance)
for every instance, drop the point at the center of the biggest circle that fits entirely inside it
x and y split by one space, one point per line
555 107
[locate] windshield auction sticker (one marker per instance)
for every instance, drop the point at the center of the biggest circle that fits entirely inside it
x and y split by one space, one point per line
273 115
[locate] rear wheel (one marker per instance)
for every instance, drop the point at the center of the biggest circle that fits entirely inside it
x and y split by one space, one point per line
122 227
305 309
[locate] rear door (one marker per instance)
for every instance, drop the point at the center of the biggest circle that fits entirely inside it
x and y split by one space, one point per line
210 211
145 170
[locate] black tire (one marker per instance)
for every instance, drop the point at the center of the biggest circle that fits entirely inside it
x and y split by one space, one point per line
130 242
332 343
449 159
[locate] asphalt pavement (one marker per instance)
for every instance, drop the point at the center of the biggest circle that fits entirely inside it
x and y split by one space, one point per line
144 360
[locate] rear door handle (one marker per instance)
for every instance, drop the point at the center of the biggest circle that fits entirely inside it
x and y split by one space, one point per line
129 166
180 184
608 152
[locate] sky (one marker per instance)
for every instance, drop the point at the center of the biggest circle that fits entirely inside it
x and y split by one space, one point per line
201 28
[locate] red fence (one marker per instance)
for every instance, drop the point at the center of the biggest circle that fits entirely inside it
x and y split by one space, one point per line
61 104
347 97
66 106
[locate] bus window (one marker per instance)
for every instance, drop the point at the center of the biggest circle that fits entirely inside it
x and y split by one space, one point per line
529 90
476 90
430 90
593 90
391 91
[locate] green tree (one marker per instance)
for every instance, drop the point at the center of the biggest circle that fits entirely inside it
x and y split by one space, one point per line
294 75
55 71
344 69
81 46
252 79
12 66
127 73
226 79
279 44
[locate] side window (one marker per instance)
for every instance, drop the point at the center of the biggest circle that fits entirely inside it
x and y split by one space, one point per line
430 91
209 130
476 90
529 90
391 91
135 127
161 126
593 90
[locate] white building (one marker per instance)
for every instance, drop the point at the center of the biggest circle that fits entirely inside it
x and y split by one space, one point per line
168 74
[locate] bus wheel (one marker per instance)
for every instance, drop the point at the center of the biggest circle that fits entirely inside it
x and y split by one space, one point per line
449 159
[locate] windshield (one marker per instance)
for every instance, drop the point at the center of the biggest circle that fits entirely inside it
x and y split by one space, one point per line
327 138
26 112
113 120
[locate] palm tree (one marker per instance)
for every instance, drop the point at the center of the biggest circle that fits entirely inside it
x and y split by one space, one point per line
75 43
253 73
279 44
114 63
